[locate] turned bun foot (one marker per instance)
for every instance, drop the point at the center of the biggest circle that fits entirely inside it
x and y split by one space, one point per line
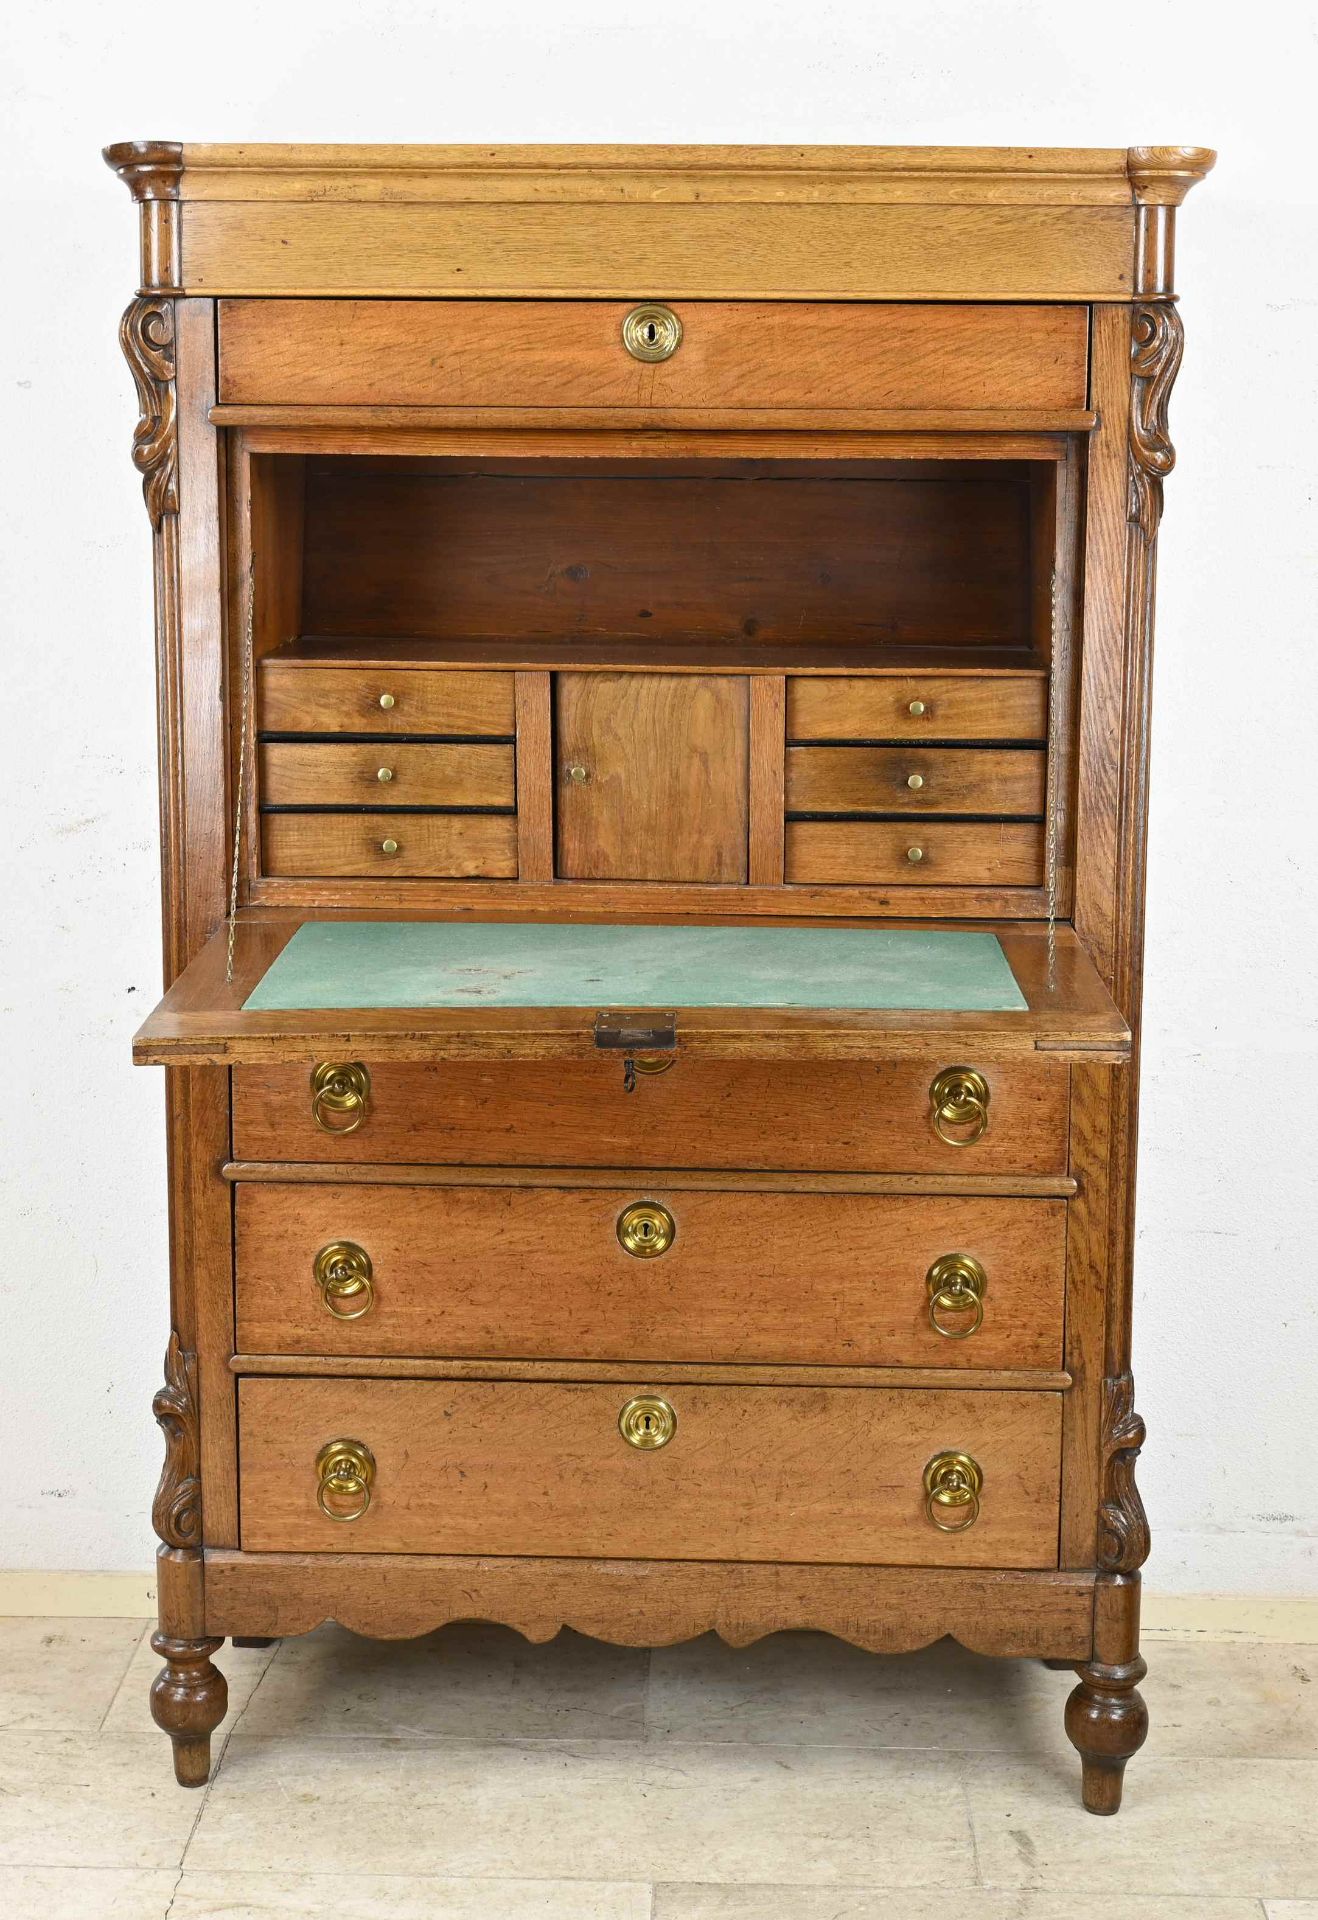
188 1701
1106 1722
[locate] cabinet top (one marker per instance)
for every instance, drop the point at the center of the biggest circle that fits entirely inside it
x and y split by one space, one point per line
950 223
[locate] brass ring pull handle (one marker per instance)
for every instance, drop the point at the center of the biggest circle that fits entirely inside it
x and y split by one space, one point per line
959 1106
345 1474
647 1422
953 1483
343 1273
340 1095
651 332
956 1283
645 1229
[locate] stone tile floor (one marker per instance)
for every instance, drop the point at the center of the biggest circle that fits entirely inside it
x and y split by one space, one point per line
469 1776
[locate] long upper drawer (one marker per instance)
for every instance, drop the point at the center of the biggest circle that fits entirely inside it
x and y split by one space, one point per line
750 1473
732 355
851 1116
658 1274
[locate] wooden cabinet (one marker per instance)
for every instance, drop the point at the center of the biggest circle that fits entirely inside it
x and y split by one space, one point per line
653 649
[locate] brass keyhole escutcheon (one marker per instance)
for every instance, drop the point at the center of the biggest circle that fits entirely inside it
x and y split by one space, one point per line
953 1483
956 1284
647 1422
646 1229
343 1272
959 1106
345 1474
340 1095
652 332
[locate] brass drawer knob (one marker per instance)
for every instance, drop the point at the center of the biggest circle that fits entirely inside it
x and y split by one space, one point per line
343 1273
388 846
646 1229
915 781
647 1422
340 1095
385 775
652 332
386 701
577 774
956 1284
959 1106
915 855
953 1483
918 708
345 1474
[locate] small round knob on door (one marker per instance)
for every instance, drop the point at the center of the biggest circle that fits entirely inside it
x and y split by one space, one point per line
959 1106
953 1483
646 1229
345 1474
576 773
651 332
647 1422
343 1272
340 1095
956 1283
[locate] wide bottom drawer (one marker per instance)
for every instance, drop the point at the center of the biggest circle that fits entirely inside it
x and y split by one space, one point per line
902 1477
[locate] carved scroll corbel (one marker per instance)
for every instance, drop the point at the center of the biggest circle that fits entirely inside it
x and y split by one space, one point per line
1123 1528
146 334
176 1510
1156 345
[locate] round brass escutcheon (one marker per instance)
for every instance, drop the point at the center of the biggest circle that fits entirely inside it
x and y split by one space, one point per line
652 332
915 781
340 1095
956 1283
959 1106
647 1422
646 1229
653 1063
915 855
388 846
345 1474
953 1483
386 701
343 1272
385 774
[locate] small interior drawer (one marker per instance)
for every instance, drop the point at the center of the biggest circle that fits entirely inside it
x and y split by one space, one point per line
384 700
380 846
655 1274
894 853
749 1473
918 706
436 774
914 779
731 355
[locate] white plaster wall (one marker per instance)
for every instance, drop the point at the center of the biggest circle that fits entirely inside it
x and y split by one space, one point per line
1227 1325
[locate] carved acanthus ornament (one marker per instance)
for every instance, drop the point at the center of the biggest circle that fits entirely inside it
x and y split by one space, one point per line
1123 1529
176 1511
146 334
1156 345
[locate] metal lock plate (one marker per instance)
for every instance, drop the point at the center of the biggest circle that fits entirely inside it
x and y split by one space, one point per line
652 332
645 1229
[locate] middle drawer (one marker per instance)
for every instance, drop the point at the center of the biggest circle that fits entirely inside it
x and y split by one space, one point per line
668 1274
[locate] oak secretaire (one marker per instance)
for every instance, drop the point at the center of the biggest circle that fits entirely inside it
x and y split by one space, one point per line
654 669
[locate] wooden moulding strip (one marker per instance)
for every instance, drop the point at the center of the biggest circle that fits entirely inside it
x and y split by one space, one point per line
679 1373
944 1185
652 1603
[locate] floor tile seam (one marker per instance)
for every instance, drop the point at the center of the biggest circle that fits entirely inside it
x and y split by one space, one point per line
141 1640
969 1808
216 1765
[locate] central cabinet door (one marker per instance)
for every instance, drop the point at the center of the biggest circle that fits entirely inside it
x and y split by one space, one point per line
652 776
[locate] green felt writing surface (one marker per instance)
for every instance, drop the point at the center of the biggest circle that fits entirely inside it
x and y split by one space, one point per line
393 963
